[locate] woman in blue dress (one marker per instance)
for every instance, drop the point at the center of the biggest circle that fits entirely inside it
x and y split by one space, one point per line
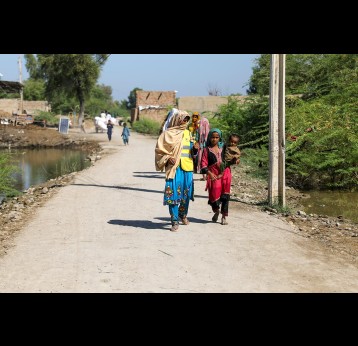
174 153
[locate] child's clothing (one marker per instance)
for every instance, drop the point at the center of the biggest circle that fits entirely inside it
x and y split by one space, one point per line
125 135
232 155
109 131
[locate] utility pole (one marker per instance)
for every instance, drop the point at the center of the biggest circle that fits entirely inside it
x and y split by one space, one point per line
276 191
22 89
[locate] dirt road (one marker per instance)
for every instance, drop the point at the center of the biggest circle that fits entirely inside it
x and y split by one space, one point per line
109 232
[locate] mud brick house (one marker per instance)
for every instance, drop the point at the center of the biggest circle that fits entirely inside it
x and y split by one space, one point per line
153 105
18 105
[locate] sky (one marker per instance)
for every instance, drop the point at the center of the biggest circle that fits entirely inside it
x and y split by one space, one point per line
188 74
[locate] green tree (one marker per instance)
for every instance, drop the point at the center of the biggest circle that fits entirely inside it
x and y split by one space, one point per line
32 67
259 82
34 89
100 99
7 171
131 103
313 75
73 75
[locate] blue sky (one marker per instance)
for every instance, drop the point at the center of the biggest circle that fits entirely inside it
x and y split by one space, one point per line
189 74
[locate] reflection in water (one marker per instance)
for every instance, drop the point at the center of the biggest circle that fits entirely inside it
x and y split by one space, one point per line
40 165
332 203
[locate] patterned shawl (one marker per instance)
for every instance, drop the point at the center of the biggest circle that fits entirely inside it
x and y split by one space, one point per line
169 144
203 135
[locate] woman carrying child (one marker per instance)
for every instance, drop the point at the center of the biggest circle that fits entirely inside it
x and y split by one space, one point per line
218 183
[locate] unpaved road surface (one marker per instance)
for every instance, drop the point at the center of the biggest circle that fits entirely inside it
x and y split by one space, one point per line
108 231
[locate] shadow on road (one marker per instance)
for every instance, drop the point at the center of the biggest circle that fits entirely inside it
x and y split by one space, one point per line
130 188
155 176
146 224
162 173
191 219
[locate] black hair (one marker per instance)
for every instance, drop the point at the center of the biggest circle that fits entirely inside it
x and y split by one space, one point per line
234 135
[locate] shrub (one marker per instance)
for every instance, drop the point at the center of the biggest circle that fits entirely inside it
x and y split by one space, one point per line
147 126
7 172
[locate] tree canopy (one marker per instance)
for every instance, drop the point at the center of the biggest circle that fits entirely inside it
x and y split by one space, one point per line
310 74
132 98
71 75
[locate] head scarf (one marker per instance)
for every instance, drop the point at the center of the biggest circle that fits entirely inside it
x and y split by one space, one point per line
194 126
169 143
168 119
220 143
203 131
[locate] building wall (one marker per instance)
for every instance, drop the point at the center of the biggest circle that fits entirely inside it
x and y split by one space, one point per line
153 114
153 105
32 107
155 98
203 103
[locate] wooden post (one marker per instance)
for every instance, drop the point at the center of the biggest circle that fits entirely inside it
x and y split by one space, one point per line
277 143
22 89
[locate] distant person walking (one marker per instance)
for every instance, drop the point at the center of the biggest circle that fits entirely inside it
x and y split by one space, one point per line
125 134
109 130
83 126
174 152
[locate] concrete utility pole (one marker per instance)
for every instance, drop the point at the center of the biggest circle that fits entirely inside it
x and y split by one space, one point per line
22 89
276 192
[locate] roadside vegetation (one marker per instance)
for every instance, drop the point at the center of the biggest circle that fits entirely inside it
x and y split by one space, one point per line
321 120
146 126
7 176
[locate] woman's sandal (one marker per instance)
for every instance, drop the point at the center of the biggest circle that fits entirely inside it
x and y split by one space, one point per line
215 217
175 227
223 221
184 220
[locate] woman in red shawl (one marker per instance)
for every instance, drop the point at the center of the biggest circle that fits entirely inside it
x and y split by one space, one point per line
218 182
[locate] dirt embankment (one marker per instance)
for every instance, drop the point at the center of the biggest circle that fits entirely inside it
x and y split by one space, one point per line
337 234
33 136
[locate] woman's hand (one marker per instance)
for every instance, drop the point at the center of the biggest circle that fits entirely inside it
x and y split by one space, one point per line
212 176
171 161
